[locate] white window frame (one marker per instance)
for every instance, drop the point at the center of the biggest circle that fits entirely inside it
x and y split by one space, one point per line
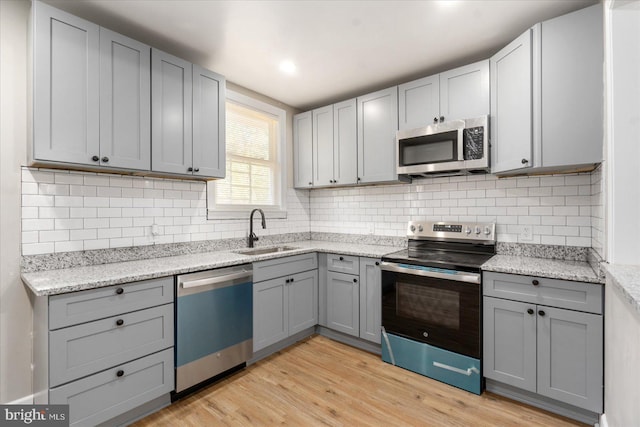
278 210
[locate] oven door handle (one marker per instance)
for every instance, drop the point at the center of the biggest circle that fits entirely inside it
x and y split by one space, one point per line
458 276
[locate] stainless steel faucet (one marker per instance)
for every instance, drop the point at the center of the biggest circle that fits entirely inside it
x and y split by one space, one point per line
252 235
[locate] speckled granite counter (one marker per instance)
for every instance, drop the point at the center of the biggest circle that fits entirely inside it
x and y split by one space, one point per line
626 280
579 271
52 282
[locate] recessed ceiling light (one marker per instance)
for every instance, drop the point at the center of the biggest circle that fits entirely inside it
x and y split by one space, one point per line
288 67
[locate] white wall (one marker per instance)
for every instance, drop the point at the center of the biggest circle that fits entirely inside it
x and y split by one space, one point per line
15 308
558 208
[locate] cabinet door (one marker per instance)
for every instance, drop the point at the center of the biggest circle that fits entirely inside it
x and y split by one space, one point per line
270 313
303 301
419 102
302 150
377 127
511 106
345 142
370 299
570 357
343 302
125 109
171 108
509 348
208 123
66 87
323 146
572 89
464 92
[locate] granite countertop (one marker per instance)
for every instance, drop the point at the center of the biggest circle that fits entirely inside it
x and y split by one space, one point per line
53 282
579 271
626 280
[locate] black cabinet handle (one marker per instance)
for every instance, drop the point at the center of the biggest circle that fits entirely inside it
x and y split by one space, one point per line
196 170
441 119
119 322
525 161
355 280
377 262
120 373
105 159
535 282
95 158
189 169
119 291
341 258
530 310
435 120
286 281
541 313
311 183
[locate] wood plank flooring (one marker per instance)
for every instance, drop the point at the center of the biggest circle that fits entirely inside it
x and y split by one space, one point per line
320 382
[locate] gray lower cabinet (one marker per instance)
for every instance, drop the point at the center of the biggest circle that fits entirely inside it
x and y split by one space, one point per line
350 297
555 352
285 298
105 351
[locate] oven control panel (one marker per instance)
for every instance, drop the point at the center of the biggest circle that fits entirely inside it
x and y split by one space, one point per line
482 231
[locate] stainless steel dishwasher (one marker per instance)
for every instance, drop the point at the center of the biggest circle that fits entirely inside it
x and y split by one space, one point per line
214 323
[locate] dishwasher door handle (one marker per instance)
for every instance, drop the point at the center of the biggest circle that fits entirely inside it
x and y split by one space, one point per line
223 279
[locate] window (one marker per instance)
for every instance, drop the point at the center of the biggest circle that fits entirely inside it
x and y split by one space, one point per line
255 133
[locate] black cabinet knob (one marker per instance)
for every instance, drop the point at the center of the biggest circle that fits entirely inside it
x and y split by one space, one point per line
355 280
105 159
119 322
119 291
286 281
541 312
291 280
377 262
120 373
441 119
535 282
95 158
311 183
530 310
435 120
358 179
341 258
525 161
189 169
196 170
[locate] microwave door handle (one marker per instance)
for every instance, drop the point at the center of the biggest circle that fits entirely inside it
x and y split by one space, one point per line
461 144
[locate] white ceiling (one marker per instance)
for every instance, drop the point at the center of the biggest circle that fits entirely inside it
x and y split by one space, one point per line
341 48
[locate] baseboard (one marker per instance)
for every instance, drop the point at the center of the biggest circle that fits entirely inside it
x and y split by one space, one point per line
356 342
542 402
27 400
603 421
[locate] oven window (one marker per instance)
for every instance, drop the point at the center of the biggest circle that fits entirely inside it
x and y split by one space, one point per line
431 305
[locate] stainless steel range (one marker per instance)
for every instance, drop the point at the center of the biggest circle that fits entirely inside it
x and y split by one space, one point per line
431 301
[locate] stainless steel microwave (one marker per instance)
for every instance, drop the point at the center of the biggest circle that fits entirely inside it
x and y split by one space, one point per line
449 148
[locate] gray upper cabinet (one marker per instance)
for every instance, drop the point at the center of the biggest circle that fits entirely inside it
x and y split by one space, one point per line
125 90
377 126
345 143
171 107
303 150
461 93
209 155
66 79
511 105
464 92
547 97
572 60
323 147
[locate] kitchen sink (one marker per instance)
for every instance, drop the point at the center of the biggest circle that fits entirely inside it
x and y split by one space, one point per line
262 251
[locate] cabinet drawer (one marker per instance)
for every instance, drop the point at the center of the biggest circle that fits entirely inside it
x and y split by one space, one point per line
343 264
539 290
279 267
105 395
85 306
91 347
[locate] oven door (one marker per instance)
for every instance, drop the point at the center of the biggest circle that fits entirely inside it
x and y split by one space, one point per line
433 305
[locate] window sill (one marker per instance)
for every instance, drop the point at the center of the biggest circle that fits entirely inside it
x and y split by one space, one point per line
244 214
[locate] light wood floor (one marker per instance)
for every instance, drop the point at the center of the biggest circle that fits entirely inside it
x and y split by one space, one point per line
322 382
